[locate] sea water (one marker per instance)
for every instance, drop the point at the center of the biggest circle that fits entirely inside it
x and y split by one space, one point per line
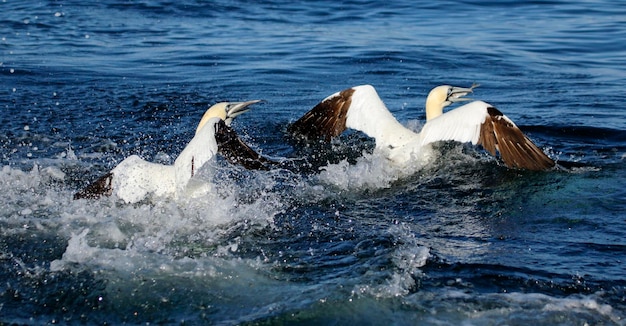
459 239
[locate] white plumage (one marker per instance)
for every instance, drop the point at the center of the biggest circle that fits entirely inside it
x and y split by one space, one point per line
361 108
134 178
462 124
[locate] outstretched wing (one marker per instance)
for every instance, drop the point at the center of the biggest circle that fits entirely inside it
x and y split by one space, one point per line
516 150
326 120
482 124
236 151
358 108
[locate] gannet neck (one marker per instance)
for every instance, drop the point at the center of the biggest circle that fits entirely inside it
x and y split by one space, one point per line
226 111
200 150
435 102
442 96
216 111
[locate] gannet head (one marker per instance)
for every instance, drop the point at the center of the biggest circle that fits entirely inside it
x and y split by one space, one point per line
444 95
226 111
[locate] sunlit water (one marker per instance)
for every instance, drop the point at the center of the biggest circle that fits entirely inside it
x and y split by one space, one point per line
458 239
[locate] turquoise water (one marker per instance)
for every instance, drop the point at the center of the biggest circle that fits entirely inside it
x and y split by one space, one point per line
463 241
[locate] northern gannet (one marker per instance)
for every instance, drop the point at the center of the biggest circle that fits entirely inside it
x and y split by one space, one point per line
361 108
134 178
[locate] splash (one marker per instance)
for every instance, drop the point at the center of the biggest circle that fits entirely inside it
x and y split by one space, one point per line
371 171
407 259
41 201
548 309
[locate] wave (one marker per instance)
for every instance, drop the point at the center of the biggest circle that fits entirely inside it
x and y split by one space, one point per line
582 134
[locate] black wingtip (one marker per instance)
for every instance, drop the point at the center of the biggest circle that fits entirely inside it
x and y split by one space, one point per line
498 133
101 187
325 120
237 152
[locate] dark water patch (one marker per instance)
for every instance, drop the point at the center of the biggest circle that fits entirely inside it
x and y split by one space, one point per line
585 134
31 249
42 297
34 293
487 278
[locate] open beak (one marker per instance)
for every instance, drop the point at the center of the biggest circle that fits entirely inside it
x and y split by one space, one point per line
236 108
455 94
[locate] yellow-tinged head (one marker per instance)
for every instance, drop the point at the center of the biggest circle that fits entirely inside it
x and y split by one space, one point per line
444 95
226 111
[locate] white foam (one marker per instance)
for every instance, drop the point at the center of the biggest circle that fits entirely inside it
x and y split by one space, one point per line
408 257
77 251
54 173
109 234
371 171
571 304
130 261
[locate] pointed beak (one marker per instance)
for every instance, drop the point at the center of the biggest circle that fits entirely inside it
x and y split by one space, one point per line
455 94
236 108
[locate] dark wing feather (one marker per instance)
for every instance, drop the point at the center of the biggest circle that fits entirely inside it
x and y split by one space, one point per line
326 120
97 189
516 150
237 152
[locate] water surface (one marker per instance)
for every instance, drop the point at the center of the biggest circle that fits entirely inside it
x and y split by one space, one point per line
460 241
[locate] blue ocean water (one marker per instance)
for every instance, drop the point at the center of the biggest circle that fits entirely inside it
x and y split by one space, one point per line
464 241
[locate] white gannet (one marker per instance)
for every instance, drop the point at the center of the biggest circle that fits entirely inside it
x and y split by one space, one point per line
134 178
361 108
